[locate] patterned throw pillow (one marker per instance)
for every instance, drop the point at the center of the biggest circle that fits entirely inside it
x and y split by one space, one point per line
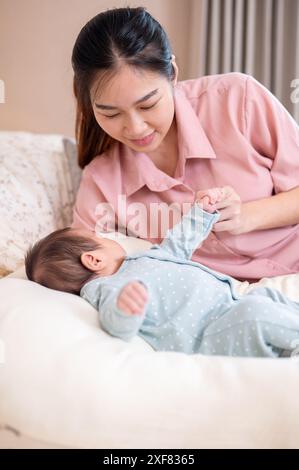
39 178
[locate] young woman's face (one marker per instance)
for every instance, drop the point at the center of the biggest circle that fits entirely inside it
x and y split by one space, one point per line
135 105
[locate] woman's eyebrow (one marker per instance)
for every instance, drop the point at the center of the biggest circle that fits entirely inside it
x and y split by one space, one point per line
144 98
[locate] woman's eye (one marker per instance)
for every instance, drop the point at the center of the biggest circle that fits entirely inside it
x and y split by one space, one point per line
143 108
149 107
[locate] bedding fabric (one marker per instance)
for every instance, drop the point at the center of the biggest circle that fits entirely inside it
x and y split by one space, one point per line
38 175
64 380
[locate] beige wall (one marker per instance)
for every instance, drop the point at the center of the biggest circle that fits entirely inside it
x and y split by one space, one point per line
36 41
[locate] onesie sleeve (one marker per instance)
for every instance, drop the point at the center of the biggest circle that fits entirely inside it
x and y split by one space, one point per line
186 236
116 322
273 133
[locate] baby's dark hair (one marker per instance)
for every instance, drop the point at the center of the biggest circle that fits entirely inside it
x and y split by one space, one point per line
55 261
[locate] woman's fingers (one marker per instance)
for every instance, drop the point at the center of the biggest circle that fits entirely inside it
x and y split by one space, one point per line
230 212
215 195
227 211
230 220
228 202
224 226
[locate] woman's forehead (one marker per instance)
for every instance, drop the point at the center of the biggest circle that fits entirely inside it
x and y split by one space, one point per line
125 87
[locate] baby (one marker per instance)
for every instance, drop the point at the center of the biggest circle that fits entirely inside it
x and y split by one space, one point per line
172 302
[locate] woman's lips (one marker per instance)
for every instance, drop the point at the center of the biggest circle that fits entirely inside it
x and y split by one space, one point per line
145 141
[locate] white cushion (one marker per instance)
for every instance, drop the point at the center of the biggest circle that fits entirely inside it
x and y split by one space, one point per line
64 380
38 180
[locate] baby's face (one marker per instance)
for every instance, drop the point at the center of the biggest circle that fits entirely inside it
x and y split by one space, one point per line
109 252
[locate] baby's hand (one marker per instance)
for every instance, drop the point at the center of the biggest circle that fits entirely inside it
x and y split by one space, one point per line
132 298
209 197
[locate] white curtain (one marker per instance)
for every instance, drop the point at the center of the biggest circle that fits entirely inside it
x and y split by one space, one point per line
257 37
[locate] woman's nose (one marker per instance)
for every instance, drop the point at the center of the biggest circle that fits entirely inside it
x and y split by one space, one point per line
135 127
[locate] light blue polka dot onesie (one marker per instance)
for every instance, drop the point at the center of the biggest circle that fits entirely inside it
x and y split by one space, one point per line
192 308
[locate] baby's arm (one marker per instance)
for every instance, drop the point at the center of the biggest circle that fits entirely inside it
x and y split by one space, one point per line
122 313
186 236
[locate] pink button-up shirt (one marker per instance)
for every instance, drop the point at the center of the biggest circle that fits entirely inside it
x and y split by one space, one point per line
231 131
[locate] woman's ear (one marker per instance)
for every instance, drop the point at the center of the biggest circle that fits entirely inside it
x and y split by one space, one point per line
176 70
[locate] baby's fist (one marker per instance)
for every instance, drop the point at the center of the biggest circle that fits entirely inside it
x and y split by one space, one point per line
209 197
132 298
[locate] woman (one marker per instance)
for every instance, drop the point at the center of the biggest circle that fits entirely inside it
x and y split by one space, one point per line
148 143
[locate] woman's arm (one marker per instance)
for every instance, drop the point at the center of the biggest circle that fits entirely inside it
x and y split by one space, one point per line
271 212
274 134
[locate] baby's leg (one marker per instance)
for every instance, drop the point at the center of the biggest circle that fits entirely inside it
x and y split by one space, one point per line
255 325
276 296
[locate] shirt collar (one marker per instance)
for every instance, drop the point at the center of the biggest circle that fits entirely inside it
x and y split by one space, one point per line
138 168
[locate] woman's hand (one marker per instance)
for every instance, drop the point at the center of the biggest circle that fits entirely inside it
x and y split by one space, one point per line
132 298
232 216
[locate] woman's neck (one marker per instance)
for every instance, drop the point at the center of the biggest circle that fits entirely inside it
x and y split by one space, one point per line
166 156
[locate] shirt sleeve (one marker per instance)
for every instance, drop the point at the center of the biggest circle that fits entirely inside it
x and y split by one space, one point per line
116 322
273 133
186 236
91 210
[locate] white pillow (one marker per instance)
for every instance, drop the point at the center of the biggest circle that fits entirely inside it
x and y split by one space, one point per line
39 178
65 380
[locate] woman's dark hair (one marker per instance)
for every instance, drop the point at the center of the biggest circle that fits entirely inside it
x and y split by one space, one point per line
117 36
55 261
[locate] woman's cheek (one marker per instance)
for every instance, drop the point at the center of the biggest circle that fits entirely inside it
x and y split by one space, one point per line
111 129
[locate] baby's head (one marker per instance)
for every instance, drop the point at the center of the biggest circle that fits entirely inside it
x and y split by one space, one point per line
68 258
